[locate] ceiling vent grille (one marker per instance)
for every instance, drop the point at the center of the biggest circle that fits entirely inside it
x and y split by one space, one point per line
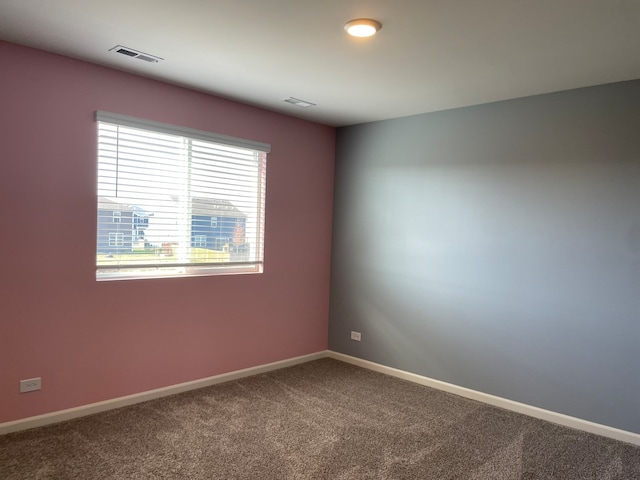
130 52
299 103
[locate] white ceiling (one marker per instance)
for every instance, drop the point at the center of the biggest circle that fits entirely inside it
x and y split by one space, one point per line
430 54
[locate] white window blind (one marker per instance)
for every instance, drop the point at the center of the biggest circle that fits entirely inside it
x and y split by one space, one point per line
188 202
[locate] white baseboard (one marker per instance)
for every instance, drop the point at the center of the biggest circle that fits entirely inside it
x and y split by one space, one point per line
523 408
71 413
559 418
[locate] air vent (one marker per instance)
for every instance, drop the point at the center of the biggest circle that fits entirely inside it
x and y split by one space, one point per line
130 52
147 58
299 103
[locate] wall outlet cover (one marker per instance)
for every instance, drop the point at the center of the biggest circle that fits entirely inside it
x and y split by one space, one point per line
30 385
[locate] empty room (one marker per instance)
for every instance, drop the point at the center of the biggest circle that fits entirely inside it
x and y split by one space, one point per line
281 239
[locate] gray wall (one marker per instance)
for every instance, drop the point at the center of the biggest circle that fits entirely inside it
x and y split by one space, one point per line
497 247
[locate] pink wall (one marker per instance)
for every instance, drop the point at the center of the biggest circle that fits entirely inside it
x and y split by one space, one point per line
93 341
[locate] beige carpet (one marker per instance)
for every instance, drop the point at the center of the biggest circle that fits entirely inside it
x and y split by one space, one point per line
321 420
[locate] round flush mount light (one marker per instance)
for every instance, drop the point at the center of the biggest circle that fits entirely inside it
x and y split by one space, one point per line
362 27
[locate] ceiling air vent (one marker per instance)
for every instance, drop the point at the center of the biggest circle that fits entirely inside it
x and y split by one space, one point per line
299 103
130 52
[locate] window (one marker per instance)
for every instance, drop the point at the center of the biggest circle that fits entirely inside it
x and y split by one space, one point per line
116 239
117 217
170 180
200 241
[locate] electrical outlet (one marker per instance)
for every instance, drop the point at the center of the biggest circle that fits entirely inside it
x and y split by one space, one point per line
356 336
30 385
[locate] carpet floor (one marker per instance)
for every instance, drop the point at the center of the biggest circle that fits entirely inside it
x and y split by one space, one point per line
320 420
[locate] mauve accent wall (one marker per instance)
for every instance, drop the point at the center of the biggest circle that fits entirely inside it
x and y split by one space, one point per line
497 247
92 341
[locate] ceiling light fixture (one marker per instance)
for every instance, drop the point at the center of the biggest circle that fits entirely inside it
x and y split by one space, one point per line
362 27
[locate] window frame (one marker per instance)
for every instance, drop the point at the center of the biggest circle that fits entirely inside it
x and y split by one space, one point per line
207 268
